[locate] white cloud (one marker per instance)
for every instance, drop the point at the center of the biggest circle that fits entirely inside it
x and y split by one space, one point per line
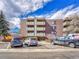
1 5
14 22
61 13
71 12
14 8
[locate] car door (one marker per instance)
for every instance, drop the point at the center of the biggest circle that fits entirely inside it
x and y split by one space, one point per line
61 40
67 40
76 41
58 41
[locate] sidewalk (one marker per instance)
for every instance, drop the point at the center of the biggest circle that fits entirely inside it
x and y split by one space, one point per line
44 42
3 45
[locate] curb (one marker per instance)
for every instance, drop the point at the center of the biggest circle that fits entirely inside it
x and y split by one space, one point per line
38 50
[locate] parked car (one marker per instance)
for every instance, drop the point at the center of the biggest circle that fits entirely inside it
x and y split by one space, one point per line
16 42
66 41
31 42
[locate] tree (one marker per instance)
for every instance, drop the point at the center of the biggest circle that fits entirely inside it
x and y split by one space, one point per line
4 25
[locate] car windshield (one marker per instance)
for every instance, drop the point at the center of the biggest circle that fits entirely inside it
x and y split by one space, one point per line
63 38
16 40
33 39
60 38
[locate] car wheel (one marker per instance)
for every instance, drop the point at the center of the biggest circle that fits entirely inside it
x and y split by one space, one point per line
72 45
54 43
28 45
36 45
12 46
21 45
24 45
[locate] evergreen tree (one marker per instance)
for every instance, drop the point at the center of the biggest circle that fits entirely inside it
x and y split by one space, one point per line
4 25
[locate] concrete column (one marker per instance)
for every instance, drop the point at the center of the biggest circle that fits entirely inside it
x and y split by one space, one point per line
35 27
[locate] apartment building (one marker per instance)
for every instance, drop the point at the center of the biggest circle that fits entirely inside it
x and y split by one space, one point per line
35 27
41 27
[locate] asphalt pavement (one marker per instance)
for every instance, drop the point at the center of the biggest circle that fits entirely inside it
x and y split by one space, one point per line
42 45
40 55
43 51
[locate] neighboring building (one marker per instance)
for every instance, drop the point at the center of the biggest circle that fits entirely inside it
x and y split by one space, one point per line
71 24
66 26
40 27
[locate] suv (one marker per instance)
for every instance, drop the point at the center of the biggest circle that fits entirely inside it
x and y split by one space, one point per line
66 41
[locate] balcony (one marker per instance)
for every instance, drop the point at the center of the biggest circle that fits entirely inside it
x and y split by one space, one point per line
30 28
40 28
76 30
67 19
40 34
30 34
30 23
40 23
65 29
69 28
66 23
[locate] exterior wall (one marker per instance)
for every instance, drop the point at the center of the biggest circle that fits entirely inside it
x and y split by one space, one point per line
50 29
30 27
23 28
40 27
36 27
59 27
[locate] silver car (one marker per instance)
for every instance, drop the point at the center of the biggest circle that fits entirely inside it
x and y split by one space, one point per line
31 42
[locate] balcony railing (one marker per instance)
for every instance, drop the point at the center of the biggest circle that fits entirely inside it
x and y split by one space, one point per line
30 23
65 29
40 34
40 28
30 34
69 28
30 28
66 23
40 23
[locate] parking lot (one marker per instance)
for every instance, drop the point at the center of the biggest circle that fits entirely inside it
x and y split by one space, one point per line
47 46
42 45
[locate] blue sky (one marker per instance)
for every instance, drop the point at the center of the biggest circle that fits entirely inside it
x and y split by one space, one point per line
53 6
15 10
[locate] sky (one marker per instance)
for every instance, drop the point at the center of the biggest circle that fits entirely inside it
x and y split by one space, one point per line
15 10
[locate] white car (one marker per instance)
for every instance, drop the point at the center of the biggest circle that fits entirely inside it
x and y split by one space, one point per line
31 42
